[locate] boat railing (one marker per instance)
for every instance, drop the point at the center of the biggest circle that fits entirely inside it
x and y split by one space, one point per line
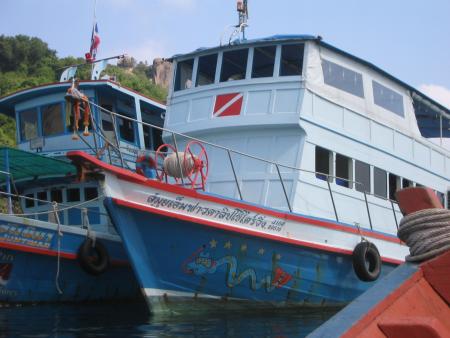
50 207
173 135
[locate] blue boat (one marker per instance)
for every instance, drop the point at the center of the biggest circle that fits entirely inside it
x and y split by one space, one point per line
276 185
56 240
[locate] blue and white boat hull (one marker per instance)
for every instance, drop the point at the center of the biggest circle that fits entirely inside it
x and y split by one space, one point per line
191 246
29 271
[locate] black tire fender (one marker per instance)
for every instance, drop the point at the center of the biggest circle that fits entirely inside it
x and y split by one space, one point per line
93 259
366 261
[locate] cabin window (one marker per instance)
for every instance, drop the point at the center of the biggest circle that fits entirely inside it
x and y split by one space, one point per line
388 99
90 193
73 195
343 170
394 185
52 120
126 129
323 163
56 196
379 182
342 78
183 77
42 197
28 124
206 72
263 61
291 60
441 198
29 201
407 183
152 137
234 65
362 176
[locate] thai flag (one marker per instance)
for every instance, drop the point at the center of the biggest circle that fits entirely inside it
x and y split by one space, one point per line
95 41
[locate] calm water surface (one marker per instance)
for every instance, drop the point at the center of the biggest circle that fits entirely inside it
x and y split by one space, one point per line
133 320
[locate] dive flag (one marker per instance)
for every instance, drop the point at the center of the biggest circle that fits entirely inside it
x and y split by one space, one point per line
228 105
95 42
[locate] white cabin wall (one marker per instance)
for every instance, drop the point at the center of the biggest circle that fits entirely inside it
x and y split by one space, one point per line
365 106
267 127
358 137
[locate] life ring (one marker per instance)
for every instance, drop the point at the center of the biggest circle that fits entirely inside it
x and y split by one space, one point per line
93 259
146 166
367 261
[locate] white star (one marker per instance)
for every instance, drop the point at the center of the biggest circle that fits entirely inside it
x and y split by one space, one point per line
213 243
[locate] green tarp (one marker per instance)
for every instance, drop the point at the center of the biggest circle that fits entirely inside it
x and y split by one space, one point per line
27 165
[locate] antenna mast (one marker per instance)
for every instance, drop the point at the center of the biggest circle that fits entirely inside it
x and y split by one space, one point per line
242 10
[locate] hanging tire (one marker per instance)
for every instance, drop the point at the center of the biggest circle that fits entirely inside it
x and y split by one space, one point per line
93 260
366 261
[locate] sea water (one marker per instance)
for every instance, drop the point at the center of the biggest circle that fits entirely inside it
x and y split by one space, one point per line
134 320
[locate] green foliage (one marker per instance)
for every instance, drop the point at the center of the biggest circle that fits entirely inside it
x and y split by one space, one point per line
28 61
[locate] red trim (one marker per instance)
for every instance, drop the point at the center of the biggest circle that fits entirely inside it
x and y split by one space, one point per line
53 253
39 251
240 230
81 157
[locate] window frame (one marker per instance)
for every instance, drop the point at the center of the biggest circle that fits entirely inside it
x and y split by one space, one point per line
62 105
342 89
280 59
246 68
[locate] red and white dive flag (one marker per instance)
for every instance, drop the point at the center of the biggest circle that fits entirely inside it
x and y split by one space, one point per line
228 105
95 42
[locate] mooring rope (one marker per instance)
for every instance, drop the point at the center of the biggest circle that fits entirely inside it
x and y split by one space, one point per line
59 232
426 233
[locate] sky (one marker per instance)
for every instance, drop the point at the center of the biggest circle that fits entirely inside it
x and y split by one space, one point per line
409 39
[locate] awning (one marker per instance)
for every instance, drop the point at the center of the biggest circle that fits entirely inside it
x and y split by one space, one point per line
27 165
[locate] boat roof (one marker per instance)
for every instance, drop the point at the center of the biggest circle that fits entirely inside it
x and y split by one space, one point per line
25 165
318 39
8 102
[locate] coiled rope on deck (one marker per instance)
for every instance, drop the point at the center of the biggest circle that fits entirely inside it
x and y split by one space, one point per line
426 233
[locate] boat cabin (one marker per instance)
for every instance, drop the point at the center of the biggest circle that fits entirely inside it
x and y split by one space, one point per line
345 134
38 167
43 125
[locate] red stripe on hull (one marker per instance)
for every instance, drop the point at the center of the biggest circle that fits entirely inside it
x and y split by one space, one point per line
52 253
129 176
240 230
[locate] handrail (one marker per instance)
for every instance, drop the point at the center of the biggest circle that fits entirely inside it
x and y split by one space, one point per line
329 178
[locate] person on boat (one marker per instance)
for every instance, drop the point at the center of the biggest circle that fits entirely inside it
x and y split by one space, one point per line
75 98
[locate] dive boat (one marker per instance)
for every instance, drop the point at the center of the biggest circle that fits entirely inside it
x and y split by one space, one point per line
56 240
276 185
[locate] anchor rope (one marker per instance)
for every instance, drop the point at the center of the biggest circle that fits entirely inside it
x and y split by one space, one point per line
426 232
58 230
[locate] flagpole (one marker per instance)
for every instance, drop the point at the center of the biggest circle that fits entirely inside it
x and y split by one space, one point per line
93 27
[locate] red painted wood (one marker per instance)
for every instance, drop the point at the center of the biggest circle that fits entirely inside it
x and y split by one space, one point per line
413 327
415 298
414 199
437 273
81 158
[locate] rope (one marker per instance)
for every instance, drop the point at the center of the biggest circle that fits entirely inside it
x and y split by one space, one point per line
426 232
55 207
76 206
172 168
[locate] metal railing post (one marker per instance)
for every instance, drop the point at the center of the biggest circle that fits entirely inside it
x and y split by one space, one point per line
284 188
178 157
332 199
395 215
117 139
368 212
234 174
